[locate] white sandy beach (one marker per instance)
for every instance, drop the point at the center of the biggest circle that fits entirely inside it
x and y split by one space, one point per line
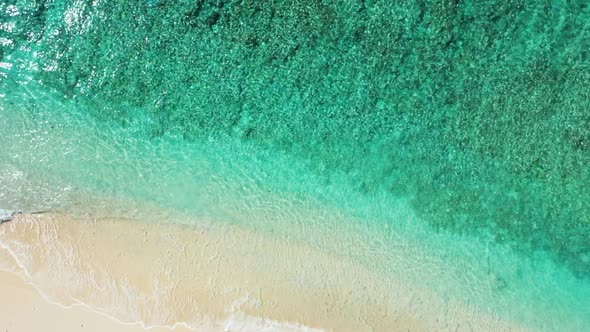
209 279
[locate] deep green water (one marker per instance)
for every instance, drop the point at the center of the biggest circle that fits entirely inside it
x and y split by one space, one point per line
475 113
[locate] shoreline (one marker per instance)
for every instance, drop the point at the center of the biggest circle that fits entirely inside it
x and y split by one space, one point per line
217 279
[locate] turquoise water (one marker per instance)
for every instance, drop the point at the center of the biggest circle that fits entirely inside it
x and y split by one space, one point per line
462 127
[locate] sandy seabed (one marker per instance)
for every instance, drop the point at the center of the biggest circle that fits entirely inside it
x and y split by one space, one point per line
64 272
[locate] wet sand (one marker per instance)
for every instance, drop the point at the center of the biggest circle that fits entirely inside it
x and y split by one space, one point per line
209 278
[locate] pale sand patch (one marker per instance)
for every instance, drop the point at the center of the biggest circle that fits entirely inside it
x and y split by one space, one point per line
22 309
216 278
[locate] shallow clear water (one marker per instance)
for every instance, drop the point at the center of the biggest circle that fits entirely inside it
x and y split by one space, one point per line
463 129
